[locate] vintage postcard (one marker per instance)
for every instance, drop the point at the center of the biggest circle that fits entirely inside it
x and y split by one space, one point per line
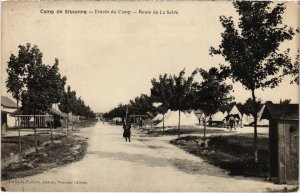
150 96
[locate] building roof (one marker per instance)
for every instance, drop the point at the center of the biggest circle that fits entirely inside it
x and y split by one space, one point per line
281 111
7 102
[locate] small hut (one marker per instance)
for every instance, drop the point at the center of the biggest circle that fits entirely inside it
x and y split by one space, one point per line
8 106
283 141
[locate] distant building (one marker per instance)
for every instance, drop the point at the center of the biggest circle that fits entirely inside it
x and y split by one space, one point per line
8 106
283 141
54 118
99 116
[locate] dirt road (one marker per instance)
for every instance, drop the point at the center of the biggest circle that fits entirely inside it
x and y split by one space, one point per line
145 164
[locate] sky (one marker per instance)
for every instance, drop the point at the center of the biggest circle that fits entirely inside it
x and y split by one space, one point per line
109 59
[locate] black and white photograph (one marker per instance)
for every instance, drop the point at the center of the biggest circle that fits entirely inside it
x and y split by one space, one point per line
150 96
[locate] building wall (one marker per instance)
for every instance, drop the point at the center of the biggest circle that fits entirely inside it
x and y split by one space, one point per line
7 121
273 148
288 140
11 121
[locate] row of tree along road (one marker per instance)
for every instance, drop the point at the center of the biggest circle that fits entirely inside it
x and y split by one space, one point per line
37 86
253 57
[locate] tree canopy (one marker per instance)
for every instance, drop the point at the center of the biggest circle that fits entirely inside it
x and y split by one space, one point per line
212 93
252 47
162 91
181 90
38 85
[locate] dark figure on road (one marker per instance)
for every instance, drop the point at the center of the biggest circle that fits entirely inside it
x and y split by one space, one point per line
210 121
231 121
127 132
141 123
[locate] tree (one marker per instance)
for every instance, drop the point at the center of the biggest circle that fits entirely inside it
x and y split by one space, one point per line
227 106
141 105
55 85
15 83
74 103
43 84
162 92
64 105
285 101
240 107
34 98
80 108
211 94
181 91
119 111
20 71
252 48
248 106
68 103
293 70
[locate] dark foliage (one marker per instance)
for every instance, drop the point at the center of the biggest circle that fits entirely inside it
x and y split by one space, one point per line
232 153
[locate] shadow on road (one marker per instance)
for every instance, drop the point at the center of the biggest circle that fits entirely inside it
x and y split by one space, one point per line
184 165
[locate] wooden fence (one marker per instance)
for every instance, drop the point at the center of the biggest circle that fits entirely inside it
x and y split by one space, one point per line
41 121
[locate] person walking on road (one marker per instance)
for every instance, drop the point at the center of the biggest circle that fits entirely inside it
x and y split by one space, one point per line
231 121
141 123
126 132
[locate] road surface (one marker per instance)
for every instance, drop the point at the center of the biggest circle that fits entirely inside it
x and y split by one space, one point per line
145 164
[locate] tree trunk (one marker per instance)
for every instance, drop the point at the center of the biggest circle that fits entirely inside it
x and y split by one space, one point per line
61 122
255 126
35 137
179 124
51 133
67 121
62 129
18 123
72 123
204 132
163 123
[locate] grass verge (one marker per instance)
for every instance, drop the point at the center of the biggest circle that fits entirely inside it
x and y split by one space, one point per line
10 144
184 130
64 149
233 153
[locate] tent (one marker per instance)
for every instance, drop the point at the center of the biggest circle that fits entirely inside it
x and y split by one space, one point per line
158 117
235 111
161 116
202 116
225 113
73 118
166 114
219 116
192 118
172 117
186 114
119 119
247 119
259 114
263 122
260 121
